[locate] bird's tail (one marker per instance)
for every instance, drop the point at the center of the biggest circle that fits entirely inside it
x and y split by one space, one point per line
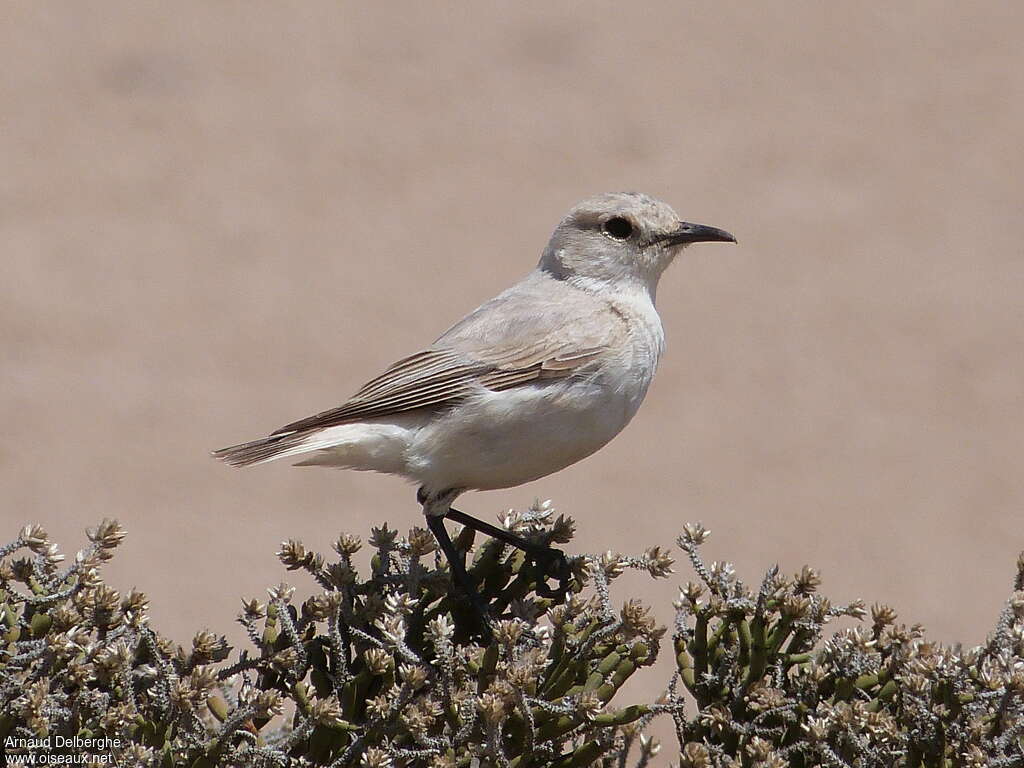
264 449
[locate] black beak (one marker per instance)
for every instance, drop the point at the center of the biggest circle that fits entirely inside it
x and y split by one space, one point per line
696 233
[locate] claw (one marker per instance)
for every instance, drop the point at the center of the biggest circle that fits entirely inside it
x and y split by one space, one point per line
551 563
547 561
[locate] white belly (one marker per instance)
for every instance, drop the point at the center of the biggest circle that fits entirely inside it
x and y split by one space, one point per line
503 439
494 440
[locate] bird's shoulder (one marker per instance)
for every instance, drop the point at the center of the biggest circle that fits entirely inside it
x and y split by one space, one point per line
538 317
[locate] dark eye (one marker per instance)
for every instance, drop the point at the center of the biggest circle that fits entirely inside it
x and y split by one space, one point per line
618 228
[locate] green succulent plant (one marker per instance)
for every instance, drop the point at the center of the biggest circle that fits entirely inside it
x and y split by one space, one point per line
385 668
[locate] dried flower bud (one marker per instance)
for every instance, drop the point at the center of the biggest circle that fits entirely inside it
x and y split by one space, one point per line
112 659
253 609
416 719
856 609
399 603
761 698
563 529
421 542
208 647
882 615
541 509
317 607
203 680
383 538
414 676
970 656
822 612
510 520
758 749
723 571
816 728
806 582
691 594
327 712
916 684
492 708
508 632
268 704
526 671
378 661
333 601
975 757
107 534
715 605
375 757
612 564
440 630
391 626
294 555
64 616
347 545
658 562
286 658
694 534
184 696
636 617
100 606
117 718
559 615
281 592
377 707
372 607
35 538
89 578
694 755
795 607
135 602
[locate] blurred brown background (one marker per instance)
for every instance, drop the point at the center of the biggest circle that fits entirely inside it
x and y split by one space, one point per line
219 217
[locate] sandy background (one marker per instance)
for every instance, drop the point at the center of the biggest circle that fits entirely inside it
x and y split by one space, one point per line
220 217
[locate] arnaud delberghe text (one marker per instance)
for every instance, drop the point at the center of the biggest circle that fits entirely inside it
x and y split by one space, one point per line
60 750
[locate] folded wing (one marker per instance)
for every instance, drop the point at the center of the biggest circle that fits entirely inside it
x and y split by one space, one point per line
519 337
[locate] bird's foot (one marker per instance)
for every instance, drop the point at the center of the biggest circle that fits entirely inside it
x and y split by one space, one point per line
462 582
551 563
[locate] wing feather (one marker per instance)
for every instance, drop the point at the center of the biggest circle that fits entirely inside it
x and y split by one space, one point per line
566 338
405 389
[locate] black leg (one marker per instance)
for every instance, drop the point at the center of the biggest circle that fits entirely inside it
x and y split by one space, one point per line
549 561
455 561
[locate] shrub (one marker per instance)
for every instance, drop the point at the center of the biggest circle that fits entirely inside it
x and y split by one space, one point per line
383 669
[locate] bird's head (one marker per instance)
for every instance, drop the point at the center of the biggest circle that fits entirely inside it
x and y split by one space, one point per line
621 238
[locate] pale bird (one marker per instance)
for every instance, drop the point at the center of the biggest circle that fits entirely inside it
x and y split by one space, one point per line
539 377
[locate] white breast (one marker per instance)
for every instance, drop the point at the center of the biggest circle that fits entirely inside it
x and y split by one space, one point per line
502 439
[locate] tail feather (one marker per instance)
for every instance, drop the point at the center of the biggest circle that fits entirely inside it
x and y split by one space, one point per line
380 447
259 451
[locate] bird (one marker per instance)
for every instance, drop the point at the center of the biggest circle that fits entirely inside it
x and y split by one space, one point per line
535 379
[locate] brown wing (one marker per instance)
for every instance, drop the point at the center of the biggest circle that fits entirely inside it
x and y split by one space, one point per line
436 378
567 330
